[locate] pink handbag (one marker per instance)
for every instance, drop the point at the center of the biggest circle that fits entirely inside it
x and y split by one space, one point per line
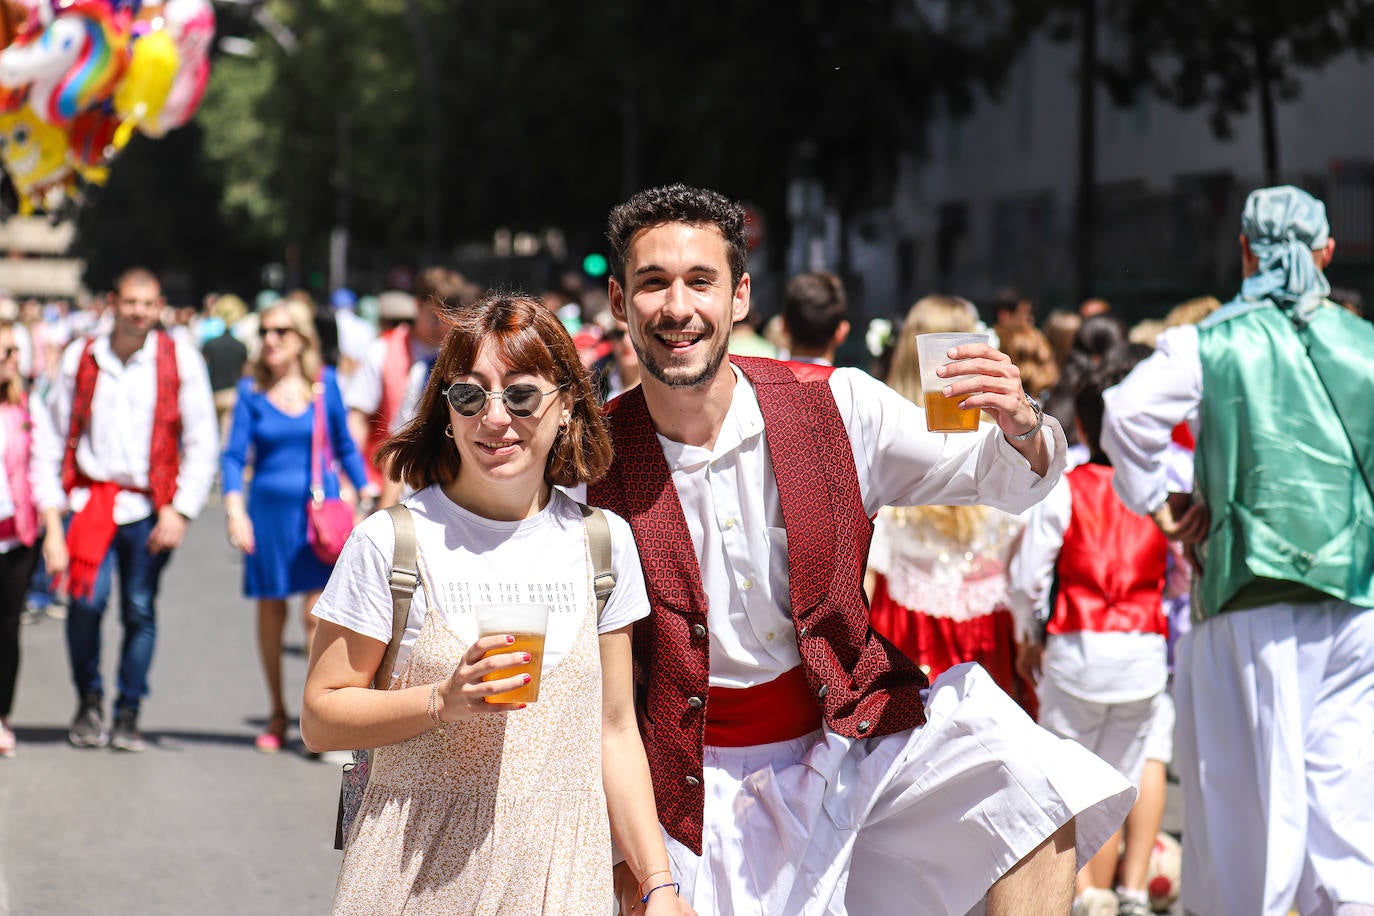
329 521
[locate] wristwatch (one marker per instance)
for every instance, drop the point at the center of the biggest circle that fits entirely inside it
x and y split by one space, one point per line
1039 421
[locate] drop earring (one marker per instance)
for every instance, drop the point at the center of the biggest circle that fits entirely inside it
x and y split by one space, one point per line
448 430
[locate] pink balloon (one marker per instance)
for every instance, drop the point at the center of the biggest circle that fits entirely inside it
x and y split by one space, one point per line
191 24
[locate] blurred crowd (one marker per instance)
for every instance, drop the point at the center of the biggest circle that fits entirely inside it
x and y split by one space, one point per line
288 401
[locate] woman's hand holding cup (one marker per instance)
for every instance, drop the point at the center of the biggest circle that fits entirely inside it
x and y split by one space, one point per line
465 693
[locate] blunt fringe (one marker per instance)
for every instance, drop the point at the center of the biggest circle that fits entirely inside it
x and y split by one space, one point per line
528 337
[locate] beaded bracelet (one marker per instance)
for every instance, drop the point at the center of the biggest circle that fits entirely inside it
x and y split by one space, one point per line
673 884
432 708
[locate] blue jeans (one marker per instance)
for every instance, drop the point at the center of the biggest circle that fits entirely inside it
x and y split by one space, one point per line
139 575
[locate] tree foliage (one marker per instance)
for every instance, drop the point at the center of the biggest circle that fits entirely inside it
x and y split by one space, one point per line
1229 55
547 114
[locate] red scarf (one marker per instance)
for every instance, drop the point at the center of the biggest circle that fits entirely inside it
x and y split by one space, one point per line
93 528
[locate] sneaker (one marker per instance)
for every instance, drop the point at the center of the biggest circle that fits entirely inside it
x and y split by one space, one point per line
56 611
30 615
125 735
1127 907
88 728
1095 901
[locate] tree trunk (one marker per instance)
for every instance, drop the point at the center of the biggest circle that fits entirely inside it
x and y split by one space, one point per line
1085 223
429 88
1264 85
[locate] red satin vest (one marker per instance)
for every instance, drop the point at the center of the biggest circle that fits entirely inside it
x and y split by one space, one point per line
1111 568
865 685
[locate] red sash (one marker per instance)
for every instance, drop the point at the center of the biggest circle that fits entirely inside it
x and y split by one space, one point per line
780 710
93 528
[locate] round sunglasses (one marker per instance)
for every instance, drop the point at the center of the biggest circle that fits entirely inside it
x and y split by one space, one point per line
468 400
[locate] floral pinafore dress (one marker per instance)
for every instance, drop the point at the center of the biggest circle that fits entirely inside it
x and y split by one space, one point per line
501 815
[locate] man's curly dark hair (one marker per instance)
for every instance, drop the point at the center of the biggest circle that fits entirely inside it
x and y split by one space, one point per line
677 203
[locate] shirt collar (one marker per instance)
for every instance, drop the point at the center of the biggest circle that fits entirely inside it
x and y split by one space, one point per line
743 423
105 356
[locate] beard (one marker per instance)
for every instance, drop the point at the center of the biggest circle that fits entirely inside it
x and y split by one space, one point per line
685 376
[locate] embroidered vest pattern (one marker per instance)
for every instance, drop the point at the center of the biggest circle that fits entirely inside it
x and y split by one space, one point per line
865 685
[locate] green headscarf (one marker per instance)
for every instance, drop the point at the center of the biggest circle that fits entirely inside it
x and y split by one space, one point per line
1284 225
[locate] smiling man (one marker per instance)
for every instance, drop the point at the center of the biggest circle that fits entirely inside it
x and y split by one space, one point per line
128 442
800 763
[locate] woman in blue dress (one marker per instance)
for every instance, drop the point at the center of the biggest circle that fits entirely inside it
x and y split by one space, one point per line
273 422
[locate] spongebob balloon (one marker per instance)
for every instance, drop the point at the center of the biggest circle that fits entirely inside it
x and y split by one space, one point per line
35 156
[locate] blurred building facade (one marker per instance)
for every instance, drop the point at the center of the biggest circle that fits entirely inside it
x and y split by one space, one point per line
992 204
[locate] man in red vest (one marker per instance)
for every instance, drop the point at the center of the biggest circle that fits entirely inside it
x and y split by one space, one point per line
800 764
382 392
128 443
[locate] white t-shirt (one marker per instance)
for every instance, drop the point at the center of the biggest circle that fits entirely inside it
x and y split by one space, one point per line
467 560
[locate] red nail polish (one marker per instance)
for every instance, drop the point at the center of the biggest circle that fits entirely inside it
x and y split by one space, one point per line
510 640
525 657
527 679
523 705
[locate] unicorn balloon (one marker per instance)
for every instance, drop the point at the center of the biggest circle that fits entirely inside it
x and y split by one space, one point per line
73 64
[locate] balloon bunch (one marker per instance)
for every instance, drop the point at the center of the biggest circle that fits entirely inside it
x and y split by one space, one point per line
78 77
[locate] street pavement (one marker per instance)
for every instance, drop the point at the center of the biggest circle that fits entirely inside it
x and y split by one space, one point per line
201 822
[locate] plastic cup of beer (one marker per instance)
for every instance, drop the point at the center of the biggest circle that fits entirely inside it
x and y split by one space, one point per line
943 415
527 623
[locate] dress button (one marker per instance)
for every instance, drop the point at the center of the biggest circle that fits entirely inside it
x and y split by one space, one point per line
747 584
694 702
820 694
925 669
693 781
770 636
865 726
729 523
698 630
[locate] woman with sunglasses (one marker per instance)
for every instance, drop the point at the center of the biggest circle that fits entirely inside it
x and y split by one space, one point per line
18 524
472 806
274 419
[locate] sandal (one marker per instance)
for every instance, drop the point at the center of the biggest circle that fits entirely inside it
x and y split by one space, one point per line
270 741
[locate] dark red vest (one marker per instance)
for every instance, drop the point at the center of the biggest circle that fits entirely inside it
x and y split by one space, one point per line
1111 568
866 687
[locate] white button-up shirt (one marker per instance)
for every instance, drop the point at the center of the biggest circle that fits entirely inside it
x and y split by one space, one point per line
1140 414
116 442
730 498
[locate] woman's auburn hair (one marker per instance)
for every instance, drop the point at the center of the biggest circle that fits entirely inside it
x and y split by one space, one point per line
528 337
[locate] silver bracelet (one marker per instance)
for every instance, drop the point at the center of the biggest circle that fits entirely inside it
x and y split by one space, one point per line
1039 421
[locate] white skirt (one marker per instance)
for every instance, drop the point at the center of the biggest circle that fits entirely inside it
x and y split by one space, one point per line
918 822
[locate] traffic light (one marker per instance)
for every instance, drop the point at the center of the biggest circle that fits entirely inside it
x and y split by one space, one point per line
595 265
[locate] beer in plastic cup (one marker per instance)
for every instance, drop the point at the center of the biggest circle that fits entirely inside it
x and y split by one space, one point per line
528 623
943 415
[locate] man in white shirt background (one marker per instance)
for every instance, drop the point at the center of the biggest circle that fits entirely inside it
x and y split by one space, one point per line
815 317
127 442
1273 683
382 392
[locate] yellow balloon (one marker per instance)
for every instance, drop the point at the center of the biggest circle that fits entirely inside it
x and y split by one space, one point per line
153 63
